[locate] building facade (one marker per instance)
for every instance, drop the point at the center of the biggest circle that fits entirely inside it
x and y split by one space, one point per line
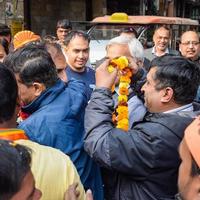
41 16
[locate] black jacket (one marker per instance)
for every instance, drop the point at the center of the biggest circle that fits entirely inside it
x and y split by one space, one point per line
145 159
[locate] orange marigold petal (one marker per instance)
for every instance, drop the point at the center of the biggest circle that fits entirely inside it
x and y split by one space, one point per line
125 79
123 91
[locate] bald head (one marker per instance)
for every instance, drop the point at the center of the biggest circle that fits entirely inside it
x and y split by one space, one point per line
161 40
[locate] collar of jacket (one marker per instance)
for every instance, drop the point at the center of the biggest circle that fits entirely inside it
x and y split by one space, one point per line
45 98
197 60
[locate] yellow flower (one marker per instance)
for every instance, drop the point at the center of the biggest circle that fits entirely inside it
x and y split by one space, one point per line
123 124
123 98
121 62
123 115
110 68
124 84
122 109
125 74
125 79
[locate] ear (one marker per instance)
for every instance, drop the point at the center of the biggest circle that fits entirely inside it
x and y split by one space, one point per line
140 63
167 95
38 88
18 102
179 47
154 37
18 106
65 48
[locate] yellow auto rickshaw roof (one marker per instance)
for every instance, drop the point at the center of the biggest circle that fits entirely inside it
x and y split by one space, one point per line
143 19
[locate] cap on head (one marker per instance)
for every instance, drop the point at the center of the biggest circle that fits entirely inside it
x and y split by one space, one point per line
24 37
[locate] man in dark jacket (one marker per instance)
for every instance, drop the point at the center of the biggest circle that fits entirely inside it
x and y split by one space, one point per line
56 110
145 158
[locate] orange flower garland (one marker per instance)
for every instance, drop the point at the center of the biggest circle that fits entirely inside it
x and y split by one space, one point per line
125 79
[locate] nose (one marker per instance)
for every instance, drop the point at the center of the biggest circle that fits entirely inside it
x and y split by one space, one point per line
81 54
191 45
162 40
37 195
63 33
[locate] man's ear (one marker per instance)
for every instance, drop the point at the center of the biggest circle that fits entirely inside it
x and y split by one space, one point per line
179 47
38 88
66 48
18 106
140 63
18 102
167 95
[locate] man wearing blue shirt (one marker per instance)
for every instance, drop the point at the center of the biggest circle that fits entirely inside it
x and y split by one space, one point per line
77 54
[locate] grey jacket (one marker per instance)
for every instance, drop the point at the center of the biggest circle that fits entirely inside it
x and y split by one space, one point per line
148 53
145 159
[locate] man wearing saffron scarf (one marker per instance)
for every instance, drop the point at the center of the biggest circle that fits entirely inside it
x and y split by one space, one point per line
53 170
56 110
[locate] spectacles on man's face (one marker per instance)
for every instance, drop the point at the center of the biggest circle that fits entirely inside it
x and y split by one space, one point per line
194 43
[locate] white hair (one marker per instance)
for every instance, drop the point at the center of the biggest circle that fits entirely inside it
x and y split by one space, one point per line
135 47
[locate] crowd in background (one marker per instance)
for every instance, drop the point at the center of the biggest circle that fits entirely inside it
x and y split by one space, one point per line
58 139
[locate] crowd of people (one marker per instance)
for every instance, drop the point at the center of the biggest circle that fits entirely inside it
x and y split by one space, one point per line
58 139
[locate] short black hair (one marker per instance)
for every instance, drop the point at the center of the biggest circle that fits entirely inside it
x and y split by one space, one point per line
33 64
166 27
8 93
64 23
14 165
179 73
128 30
4 30
53 45
4 44
72 34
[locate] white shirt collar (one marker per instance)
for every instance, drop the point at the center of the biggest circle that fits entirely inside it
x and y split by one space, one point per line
154 51
187 107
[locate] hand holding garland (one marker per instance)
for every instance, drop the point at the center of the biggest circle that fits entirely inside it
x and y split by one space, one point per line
106 76
103 77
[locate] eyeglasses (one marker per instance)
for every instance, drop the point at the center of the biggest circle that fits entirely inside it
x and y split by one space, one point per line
194 43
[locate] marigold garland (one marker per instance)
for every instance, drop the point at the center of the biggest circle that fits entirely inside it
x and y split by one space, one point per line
121 114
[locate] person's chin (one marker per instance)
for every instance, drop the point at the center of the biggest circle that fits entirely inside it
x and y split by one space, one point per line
190 56
80 65
162 48
25 104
